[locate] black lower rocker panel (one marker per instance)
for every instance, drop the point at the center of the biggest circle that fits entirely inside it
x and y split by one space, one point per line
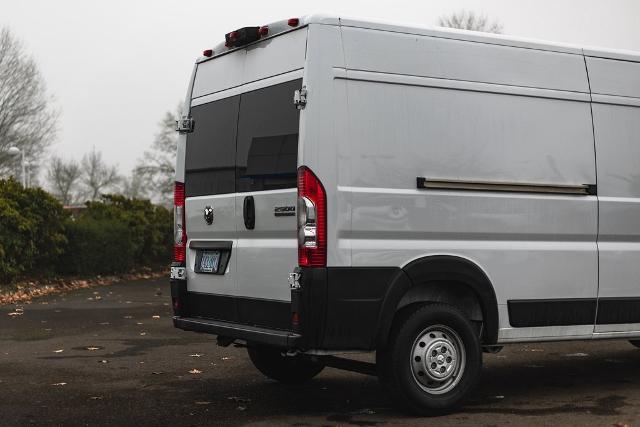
568 312
618 310
560 312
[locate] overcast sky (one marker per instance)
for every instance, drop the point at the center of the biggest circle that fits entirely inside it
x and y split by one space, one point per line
115 67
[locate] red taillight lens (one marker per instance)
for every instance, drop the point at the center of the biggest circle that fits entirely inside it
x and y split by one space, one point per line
293 22
263 31
179 228
312 220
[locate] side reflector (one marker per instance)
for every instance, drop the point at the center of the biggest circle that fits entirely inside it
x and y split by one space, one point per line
293 22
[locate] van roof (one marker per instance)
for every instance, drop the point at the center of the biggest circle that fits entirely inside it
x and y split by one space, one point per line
280 27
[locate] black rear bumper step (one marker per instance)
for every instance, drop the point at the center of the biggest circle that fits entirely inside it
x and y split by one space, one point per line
254 334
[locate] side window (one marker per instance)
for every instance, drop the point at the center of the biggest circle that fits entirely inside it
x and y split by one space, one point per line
267 142
211 148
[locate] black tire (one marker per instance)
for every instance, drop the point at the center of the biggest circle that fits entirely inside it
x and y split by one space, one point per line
635 343
402 367
273 364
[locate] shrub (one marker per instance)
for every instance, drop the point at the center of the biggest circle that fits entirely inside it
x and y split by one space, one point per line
97 246
32 235
129 232
39 238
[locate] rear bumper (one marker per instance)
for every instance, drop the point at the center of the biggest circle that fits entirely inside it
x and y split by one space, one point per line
253 334
334 309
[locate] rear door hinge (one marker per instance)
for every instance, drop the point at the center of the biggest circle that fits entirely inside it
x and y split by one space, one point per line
185 124
300 98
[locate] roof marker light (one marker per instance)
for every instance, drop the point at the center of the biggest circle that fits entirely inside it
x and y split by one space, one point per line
293 22
263 31
208 53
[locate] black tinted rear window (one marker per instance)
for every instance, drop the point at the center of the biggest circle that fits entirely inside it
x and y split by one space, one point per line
211 148
267 154
244 143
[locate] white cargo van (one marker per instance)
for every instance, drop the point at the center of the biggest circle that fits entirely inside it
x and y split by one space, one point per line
348 185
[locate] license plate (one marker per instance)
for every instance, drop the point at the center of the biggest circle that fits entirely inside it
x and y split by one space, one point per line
209 261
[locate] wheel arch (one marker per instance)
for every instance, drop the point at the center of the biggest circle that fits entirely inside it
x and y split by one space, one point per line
441 278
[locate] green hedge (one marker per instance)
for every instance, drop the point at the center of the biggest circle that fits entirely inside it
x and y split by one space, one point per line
117 234
39 238
32 231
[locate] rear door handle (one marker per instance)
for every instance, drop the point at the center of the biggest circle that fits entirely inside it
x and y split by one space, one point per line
249 212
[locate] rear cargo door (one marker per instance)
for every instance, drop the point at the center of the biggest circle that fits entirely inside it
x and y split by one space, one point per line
267 153
210 202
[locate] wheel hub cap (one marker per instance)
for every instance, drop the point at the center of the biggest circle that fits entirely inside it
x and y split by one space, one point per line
437 359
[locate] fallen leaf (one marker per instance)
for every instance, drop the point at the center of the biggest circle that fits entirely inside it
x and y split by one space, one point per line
139 323
58 351
239 399
195 355
104 361
143 333
156 317
226 358
92 348
365 411
195 371
241 408
59 384
14 313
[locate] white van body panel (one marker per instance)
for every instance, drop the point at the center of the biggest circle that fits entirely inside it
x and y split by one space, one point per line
616 119
529 245
388 104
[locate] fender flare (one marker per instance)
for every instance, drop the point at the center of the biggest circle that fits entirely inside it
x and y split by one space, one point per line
440 268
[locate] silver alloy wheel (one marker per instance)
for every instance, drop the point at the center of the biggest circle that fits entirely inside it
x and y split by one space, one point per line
438 359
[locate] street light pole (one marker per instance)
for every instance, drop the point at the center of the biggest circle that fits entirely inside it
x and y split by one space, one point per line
14 151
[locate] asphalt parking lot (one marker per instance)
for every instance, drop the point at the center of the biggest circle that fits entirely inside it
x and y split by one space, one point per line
110 355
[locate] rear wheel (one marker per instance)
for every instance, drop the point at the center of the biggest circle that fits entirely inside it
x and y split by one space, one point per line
433 359
285 369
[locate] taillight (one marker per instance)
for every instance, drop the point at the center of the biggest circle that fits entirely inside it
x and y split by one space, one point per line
312 220
179 229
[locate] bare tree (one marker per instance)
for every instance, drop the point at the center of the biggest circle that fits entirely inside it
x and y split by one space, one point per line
134 186
27 120
97 176
465 20
64 177
157 167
